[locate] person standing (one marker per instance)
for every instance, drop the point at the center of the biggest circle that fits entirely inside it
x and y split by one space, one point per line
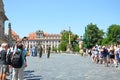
18 73
3 64
105 55
111 53
33 50
40 51
117 57
48 50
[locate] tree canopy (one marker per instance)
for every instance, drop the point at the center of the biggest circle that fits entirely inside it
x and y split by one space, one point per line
93 35
112 35
65 40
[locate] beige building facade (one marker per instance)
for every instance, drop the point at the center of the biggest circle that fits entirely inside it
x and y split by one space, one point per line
39 38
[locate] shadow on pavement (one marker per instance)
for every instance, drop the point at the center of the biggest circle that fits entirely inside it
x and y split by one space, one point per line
29 75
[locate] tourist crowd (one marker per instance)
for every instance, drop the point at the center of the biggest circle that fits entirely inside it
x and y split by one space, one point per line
107 55
13 60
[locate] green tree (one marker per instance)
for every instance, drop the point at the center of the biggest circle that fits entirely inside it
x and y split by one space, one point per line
76 47
62 46
111 36
93 35
54 49
65 40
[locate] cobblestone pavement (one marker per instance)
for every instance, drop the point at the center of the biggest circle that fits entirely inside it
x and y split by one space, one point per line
68 67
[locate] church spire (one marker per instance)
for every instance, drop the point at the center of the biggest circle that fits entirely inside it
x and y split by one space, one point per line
9 34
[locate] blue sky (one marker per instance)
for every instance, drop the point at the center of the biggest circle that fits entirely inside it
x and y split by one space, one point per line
53 16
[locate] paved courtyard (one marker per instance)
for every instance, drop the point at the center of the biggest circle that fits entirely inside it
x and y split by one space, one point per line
68 67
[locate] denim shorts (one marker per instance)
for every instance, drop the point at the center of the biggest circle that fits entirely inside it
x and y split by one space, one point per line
3 69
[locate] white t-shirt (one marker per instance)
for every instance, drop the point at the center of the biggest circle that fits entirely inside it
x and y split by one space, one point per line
0 48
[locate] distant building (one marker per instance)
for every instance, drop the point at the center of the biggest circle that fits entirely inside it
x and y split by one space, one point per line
39 38
14 35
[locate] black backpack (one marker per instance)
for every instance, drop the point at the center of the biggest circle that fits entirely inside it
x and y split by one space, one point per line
9 57
16 61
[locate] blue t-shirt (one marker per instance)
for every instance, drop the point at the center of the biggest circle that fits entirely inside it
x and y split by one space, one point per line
105 53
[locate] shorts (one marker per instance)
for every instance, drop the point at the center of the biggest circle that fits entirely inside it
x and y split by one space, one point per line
112 56
3 69
104 59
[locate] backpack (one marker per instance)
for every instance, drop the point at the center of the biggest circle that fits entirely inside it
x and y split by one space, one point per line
9 57
16 61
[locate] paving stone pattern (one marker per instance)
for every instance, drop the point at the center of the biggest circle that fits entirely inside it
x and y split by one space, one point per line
68 67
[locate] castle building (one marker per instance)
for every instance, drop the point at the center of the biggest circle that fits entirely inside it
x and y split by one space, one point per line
3 18
39 38
11 37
